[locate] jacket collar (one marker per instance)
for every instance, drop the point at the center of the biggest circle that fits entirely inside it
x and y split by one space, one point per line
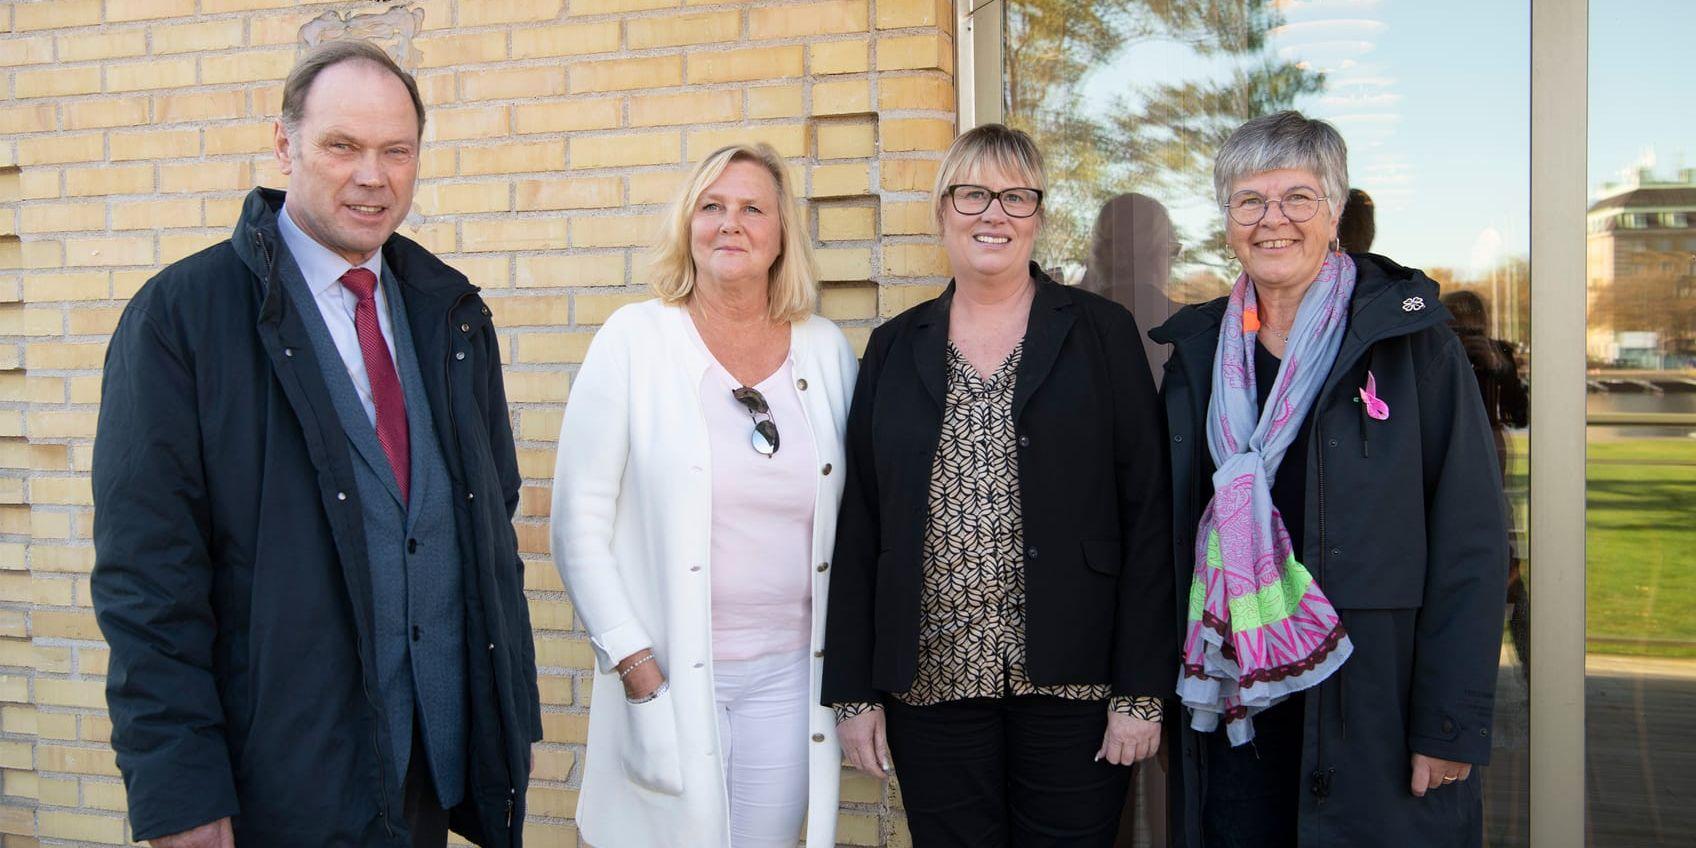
1051 318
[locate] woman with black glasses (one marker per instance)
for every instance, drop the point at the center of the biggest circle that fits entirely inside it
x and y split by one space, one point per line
694 509
1002 618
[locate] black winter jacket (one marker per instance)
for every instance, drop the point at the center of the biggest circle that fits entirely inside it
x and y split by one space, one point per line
1406 533
230 573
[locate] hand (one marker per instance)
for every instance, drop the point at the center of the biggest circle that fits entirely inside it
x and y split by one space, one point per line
1432 773
645 679
865 743
1128 739
210 835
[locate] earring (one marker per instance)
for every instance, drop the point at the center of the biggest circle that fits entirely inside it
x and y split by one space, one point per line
1336 245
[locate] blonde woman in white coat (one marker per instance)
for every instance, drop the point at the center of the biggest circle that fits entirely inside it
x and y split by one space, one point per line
694 512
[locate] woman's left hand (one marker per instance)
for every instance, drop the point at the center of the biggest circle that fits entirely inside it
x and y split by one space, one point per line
1432 773
1128 739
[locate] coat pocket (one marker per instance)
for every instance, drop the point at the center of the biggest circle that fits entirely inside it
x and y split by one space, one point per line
649 753
1102 556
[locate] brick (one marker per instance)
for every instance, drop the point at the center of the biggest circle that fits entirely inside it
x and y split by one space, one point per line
26 51
63 625
903 134
199 106
269 30
840 57
843 97
122 11
205 176
35 118
846 223
60 148
83 47
58 217
754 63
179 245
567 115
788 139
539 311
788 20
618 151
570 193
159 144
509 11
508 83
565 40
119 180
104 795
844 264
554 803
56 82
908 218
193 38
848 303
151 74
595 308
909 174
514 234
915 13
90 114
82 827
917 92
65 759
692 107
55 14
841 180
672 31
249 66
54 424
441 51
548 348
775 101
434 162
607 7
45 558
847 140
896 299
105 251
254 138
475 122
915 260
626 74
213 6
915 52
513 158
461 198
536 387
574 269
614 231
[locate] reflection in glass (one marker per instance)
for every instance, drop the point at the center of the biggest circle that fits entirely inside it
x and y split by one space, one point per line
1130 99
1640 249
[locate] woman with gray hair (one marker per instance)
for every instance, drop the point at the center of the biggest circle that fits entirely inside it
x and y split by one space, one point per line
1339 539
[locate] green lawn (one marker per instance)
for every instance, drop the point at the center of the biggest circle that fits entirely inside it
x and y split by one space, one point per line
1641 547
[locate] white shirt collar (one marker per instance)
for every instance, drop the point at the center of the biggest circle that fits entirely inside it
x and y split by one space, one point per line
321 267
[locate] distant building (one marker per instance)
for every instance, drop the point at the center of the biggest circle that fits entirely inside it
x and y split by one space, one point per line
1641 272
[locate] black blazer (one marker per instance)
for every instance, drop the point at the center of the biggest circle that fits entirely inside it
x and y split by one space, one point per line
1095 491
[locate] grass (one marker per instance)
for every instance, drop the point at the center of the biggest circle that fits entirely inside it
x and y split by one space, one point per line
1640 544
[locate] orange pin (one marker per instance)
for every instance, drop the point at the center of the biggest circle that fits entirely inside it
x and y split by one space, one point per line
1251 320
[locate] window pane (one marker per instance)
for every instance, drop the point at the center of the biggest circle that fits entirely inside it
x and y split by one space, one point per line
1129 100
1640 672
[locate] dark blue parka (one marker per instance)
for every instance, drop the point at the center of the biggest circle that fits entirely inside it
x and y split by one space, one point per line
1406 533
230 575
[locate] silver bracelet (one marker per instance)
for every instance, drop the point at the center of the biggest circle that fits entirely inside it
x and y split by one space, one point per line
635 665
665 686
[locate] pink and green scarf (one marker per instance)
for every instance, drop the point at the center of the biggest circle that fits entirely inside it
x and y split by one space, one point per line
1259 627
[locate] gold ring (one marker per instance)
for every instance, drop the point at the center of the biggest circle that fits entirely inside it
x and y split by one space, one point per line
1449 780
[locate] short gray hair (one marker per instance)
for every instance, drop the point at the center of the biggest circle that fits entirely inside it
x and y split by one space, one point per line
328 55
1286 139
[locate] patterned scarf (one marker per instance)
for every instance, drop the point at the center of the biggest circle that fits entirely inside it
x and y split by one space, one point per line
1259 628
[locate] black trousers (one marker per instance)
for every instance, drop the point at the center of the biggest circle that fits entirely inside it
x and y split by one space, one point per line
425 818
1016 771
1253 791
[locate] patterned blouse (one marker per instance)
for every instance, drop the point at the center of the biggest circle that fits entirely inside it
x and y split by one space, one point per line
972 632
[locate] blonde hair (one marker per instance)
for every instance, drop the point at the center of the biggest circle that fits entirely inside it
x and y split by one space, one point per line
792 285
995 145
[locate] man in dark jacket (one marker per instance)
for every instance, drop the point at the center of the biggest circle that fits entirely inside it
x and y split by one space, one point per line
304 479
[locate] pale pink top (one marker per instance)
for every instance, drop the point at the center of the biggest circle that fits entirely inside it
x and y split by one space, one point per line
762 518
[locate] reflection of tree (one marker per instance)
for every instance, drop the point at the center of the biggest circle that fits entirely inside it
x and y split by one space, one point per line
1506 290
1160 143
1660 297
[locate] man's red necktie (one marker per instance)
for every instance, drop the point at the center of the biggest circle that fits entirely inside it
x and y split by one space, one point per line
386 393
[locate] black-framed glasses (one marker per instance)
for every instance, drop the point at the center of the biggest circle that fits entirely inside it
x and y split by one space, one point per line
1297 206
974 199
764 437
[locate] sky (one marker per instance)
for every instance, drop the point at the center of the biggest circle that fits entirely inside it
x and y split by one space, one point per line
1433 97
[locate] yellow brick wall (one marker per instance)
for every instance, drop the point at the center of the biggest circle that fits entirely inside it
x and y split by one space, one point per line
131 130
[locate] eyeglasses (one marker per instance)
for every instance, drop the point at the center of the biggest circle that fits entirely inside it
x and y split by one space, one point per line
764 437
1297 206
1016 202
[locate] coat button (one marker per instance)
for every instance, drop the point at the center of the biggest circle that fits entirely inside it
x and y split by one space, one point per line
1030 552
1024 441
826 469
1448 726
491 646
460 355
1333 443
818 737
288 351
471 496
801 384
1178 438
1336 552
341 496
465 328
823 566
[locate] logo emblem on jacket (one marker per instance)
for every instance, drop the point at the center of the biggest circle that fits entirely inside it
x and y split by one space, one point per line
1413 304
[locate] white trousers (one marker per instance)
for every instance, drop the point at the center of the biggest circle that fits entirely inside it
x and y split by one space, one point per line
762 730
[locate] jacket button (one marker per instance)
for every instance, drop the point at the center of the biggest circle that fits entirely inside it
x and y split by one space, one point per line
1024 441
465 328
288 351
459 355
1030 552
1333 443
1336 552
818 737
471 496
1448 726
491 646
826 469
341 496
819 653
1178 437
823 566
801 384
